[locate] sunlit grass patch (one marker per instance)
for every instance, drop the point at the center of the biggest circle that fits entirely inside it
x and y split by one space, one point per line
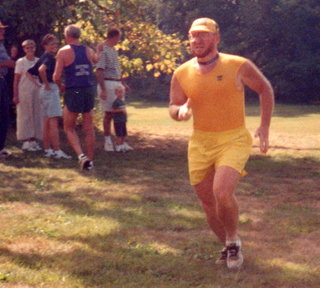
299 271
295 219
135 221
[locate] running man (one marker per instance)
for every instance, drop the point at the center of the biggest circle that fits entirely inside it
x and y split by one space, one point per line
75 60
212 85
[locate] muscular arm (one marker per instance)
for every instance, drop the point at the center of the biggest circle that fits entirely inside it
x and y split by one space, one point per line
178 100
251 76
58 69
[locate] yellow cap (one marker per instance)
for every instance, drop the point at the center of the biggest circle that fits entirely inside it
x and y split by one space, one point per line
204 24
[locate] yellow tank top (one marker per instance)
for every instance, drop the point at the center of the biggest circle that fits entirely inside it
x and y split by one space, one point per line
217 99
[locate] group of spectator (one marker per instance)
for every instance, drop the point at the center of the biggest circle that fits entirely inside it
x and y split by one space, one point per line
39 82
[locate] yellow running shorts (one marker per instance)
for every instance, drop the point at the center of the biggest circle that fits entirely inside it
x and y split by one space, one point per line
209 150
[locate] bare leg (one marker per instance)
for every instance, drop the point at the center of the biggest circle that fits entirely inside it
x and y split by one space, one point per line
54 133
69 123
107 123
204 191
46 137
89 134
225 182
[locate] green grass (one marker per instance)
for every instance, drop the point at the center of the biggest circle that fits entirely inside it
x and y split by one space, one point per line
135 222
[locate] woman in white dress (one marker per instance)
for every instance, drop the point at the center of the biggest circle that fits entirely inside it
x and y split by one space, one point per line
26 97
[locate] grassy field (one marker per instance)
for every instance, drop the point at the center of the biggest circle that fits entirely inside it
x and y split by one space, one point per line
134 222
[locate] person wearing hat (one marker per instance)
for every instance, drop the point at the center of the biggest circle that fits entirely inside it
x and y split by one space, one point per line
210 88
5 63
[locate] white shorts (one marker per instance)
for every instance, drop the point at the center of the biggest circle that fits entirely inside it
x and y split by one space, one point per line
111 86
50 100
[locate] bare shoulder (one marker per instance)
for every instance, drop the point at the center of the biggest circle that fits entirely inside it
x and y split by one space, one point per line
253 77
64 50
249 70
248 67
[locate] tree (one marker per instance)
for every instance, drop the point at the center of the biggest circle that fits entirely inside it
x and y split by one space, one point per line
282 37
146 48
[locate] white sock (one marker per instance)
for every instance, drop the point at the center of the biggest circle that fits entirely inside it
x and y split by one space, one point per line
237 242
81 156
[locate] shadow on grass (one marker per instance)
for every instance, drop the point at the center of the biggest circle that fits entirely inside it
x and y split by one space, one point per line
154 214
113 262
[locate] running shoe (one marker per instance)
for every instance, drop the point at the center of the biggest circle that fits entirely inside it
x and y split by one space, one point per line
61 155
4 154
108 146
235 257
28 146
120 148
85 163
127 146
35 146
223 256
48 153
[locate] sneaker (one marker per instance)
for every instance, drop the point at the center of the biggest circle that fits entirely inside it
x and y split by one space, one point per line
85 163
120 148
27 146
223 256
48 153
235 257
127 146
4 154
35 146
108 146
61 155
89 166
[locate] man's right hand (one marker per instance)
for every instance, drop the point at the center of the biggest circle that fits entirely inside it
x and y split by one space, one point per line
185 111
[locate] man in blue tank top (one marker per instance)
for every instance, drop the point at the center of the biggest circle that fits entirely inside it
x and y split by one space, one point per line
75 60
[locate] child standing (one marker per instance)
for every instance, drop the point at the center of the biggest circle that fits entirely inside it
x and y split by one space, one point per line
50 98
119 115
26 97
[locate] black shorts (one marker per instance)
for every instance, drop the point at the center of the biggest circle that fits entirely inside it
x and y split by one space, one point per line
120 128
80 100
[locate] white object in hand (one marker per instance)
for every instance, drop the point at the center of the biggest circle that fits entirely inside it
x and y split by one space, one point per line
185 112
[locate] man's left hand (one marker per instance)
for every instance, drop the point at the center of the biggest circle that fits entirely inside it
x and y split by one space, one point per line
263 133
